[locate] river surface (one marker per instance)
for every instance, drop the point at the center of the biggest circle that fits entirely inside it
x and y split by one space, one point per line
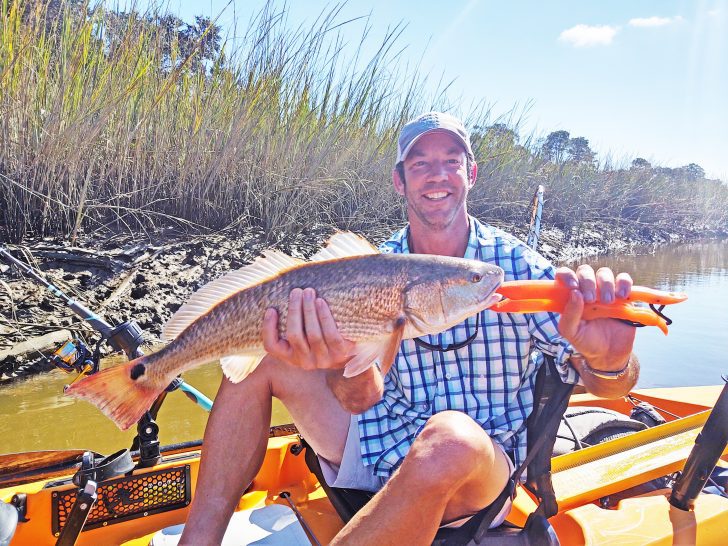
34 414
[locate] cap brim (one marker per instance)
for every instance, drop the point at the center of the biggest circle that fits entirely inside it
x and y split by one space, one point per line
402 156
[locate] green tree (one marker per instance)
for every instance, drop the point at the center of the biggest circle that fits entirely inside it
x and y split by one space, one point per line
555 147
641 164
579 151
693 171
199 41
53 12
501 135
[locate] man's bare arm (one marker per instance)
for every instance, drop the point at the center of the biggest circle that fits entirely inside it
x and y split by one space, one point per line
607 388
359 393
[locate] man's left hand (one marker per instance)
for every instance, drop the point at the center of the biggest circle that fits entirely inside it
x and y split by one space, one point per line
605 343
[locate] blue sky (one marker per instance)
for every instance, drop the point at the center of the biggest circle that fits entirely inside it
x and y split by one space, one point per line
637 78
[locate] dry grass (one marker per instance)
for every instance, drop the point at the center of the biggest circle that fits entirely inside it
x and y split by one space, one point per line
285 131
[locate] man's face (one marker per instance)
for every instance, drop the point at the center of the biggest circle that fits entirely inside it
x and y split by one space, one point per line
436 180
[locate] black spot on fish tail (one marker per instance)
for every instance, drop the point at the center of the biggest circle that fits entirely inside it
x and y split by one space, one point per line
137 371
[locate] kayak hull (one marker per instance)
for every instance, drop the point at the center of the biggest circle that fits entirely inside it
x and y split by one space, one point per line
645 519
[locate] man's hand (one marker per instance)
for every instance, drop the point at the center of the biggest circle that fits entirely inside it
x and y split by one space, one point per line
606 344
312 340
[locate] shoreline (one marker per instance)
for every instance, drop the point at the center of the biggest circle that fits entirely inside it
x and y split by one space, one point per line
125 279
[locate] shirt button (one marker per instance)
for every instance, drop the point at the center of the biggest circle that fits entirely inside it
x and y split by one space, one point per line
448 376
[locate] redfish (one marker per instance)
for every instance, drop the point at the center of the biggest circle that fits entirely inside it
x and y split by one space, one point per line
376 299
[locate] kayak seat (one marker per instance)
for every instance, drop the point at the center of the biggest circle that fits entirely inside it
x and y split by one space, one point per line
8 522
345 501
536 532
550 401
274 524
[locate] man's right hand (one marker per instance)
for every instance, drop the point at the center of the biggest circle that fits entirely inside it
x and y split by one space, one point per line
312 339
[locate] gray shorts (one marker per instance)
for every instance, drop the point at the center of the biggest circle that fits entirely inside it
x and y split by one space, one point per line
353 474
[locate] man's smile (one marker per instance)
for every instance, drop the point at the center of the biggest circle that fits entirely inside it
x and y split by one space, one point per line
436 195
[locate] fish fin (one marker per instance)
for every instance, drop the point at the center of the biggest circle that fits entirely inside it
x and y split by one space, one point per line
114 392
271 264
367 354
383 352
344 244
238 367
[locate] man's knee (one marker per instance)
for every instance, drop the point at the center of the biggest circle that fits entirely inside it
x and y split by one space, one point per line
258 383
450 448
274 378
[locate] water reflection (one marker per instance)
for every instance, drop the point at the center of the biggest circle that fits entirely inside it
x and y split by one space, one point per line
696 350
674 268
34 414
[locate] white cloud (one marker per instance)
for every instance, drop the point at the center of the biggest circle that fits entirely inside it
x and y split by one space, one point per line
586 35
654 21
714 12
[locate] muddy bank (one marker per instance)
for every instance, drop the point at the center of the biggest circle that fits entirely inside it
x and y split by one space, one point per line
147 278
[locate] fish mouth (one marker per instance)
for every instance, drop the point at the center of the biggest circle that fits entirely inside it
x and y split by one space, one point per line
492 296
491 300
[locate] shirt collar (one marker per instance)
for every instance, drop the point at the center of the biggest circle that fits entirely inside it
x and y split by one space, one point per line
472 251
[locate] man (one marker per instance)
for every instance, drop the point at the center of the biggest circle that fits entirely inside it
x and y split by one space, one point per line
445 423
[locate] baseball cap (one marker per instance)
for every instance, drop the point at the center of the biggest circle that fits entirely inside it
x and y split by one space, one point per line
428 123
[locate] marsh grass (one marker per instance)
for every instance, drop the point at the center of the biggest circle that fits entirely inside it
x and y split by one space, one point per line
104 126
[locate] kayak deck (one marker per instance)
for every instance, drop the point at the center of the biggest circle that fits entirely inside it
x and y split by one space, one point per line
579 478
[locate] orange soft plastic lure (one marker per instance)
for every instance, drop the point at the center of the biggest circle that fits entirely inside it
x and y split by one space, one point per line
537 296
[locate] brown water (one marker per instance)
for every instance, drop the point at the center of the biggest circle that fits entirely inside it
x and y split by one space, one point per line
696 350
34 414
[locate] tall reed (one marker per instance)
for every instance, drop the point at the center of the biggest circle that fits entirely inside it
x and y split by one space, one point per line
105 126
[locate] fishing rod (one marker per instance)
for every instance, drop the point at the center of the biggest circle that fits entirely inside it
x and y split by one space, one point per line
126 337
534 229
708 448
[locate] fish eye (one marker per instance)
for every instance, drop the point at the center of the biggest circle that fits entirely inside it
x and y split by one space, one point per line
477 277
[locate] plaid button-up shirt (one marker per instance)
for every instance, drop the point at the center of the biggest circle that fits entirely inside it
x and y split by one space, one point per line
491 379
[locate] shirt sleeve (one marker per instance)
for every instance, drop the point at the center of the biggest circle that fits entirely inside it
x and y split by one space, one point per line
544 326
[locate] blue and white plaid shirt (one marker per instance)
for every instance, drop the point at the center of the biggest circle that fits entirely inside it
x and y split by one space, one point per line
491 379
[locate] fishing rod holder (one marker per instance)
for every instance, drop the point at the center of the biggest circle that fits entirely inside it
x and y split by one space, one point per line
147 441
127 337
94 471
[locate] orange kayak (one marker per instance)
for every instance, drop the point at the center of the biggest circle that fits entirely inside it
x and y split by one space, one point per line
538 296
131 509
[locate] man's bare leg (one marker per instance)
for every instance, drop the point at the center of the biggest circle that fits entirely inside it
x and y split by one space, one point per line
452 470
236 437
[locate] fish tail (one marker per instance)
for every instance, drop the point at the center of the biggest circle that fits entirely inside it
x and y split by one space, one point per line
117 393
